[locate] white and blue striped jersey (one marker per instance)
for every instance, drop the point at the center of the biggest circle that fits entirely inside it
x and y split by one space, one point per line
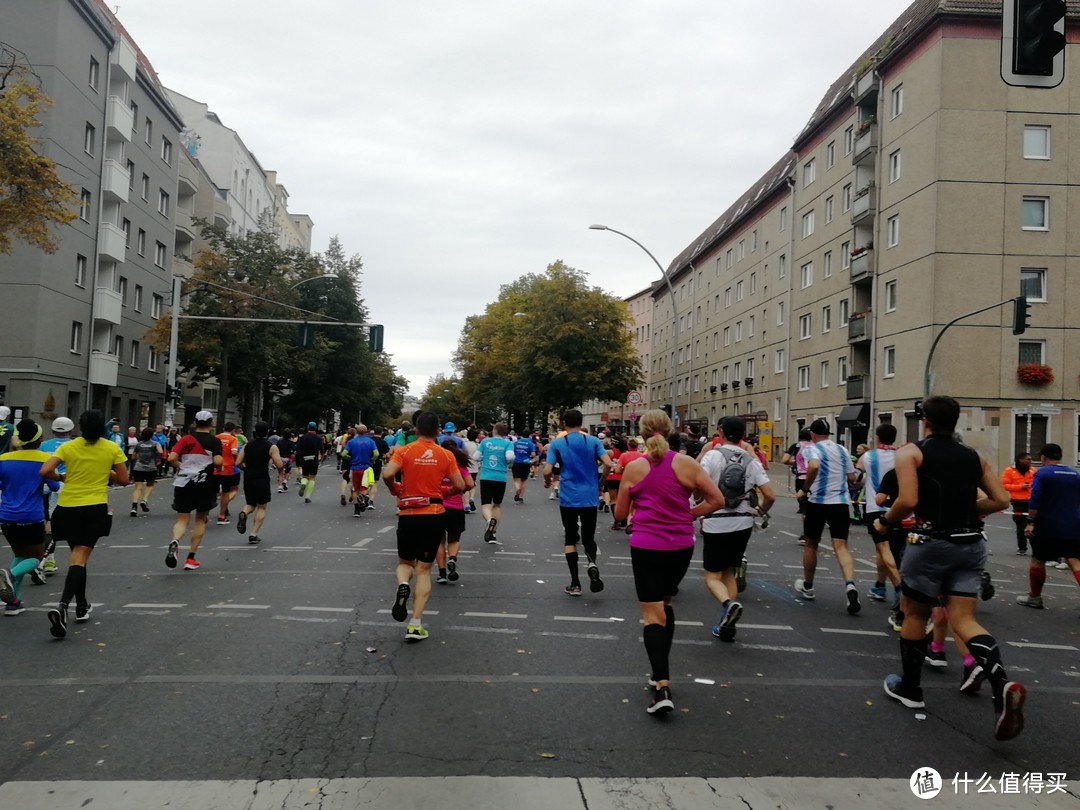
834 464
875 464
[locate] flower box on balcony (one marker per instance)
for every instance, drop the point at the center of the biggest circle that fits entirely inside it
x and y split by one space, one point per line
1034 374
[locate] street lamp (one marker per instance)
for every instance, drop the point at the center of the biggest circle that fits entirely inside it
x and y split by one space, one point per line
674 308
311 278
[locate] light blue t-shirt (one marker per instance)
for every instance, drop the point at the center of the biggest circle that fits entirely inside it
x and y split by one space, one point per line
831 484
523 451
49 446
579 482
493 458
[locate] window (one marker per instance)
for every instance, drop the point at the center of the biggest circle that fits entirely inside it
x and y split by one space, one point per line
889 361
894 166
750 371
144 189
805 324
131 175
134 354
80 271
806 275
1033 283
163 202
148 131
844 305
826 319
781 269
841 370
729 259
845 198
682 323
137 304
753 283
808 224
152 361
724 376
892 228
118 346
738 371
121 287
1037 142
727 297
826 264
738 331
742 249
739 291
84 205
1035 213
845 255
76 338
134 117
824 373
830 154
159 254
753 240
750 326
849 139
778 361
828 210
779 313
890 296
125 226
156 305
809 172
896 105
783 218
727 335
804 378
1032 351
92 79
89 135
166 150
140 242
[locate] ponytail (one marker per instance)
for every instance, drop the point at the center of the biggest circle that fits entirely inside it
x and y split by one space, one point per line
656 447
655 426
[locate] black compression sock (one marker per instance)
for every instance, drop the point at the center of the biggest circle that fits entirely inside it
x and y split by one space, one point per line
985 650
657 646
571 563
75 585
912 655
669 627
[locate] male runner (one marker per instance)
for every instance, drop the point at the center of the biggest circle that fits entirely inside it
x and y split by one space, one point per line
61 429
524 454
228 477
255 458
796 459
309 449
377 463
874 465
343 463
194 458
286 448
494 453
360 451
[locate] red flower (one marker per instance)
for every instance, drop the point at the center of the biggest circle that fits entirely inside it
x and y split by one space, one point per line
1034 374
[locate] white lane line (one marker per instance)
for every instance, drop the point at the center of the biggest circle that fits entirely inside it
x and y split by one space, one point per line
339 551
684 623
289 548
789 534
153 605
1068 647
496 615
385 553
323 609
587 636
468 551
584 619
517 553
227 548
866 562
363 542
797 567
848 632
237 607
145 546
386 529
304 619
426 612
757 565
1069 674
610 558
502 630
766 626
774 648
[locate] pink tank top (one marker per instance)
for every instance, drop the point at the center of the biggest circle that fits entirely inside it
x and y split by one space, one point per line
661 518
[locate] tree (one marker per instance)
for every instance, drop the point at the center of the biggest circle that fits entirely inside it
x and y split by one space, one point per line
32 195
445 396
549 342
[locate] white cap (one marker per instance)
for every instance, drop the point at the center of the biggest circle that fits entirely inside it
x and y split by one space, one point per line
62 424
5 412
204 416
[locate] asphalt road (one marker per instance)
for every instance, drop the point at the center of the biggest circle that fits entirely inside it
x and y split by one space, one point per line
282 662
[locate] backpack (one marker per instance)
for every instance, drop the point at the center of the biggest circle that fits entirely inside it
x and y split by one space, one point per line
732 478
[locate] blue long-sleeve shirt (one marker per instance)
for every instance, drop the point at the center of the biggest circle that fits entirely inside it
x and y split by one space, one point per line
20 486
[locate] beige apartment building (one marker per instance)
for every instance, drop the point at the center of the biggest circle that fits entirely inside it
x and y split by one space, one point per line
922 188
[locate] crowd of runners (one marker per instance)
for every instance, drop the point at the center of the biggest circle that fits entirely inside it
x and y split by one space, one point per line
923 505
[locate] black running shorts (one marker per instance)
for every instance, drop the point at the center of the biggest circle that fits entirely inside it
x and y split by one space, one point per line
520 470
257 492
25 539
492 492
309 468
419 537
836 515
455 522
81 525
1049 549
657 574
144 476
199 498
724 550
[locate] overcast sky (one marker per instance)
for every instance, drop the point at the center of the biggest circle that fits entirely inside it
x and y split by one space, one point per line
458 146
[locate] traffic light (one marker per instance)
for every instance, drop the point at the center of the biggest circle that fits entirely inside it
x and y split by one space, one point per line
1021 314
1033 42
375 337
306 338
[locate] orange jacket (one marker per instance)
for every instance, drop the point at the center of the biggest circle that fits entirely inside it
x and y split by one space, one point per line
1018 484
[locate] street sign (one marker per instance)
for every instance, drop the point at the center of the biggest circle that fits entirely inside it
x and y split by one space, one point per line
634 398
632 417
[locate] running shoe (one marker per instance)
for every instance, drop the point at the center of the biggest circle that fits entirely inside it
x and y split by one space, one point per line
14 608
740 576
801 541
37 576
896 620
280 490
986 586
7 587
725 630
134 512
357 510
191 564
556 492
910 696
1030 601
48 567
172 554
307 500
936 659
399 611
853 605
973 679
370 505
802 590
144 506
343 500
661 702
1061 565
82 612
451 570
551 496
254 540
415 632
595 583
472 506
222 520
1010 714
241 523
285 487
877 593
1021 552
441 579
765 521
517 498
573 590
57 621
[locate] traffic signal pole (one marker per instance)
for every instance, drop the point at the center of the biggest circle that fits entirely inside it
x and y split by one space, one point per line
941 334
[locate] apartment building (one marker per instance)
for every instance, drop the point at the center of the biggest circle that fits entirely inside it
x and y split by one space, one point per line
72 335
921 189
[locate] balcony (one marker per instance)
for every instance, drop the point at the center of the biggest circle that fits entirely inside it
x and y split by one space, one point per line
103 368
859 328
187 179
222 212
123 58
185 226
119 118
108 305
864 206
114 181
112 242
862 265
865 86
865 145
858 387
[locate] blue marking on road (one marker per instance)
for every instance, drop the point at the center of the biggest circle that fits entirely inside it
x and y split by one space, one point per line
773 589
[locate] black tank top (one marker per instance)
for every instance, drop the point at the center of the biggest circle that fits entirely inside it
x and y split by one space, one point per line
257 460
949 478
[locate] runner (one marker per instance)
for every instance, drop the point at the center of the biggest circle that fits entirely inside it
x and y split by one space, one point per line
494 453
145 471
421 521
22 520
446 558
309 448
61 428
939 479
471 446
255 459
524 454
360 452
1017 481
82 515
577 453
343 463
739 476
796 459
162 438
377 464
228 476
662 544
875 464
632 453
194 458
286 448
828 472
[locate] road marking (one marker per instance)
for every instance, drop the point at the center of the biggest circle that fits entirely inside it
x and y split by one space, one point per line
866 562
230 548
304 619
289 548
339 551
774 648
587 636
757 565
323 609
796 567
766 626
363 542
504 630
237 607
518 553
386 529
145 546
496 615
1042 646
678 622
610 558
789 534
426 612
848 632
153 606
584 619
